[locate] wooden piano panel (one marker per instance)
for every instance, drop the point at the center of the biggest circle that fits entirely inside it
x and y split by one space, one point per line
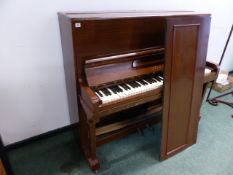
96 38
123 66
182 75
184 69
96 76
102 37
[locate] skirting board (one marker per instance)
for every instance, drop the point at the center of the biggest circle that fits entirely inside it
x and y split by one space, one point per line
40 137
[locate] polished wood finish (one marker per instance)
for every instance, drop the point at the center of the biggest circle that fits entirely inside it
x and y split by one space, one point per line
129 65
107 48
122 124
184 69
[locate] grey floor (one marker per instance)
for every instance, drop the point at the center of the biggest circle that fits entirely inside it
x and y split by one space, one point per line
136 154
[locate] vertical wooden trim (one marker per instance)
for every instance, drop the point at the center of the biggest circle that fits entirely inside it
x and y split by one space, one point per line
2 170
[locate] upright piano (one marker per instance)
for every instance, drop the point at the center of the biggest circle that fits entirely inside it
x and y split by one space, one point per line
129 70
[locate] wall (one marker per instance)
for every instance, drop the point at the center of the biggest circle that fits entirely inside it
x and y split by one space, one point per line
32 91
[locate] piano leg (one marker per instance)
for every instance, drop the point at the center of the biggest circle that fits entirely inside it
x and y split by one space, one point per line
88 137
92 160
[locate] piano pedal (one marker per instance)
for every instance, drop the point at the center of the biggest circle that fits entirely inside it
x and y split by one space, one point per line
140 131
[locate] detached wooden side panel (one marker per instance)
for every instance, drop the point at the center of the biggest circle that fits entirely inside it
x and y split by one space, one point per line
186 48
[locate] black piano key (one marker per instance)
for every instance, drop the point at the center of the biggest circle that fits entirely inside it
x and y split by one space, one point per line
152 80
99 94
113 90
118 89
124 87
148 80
137 84
109 92
128 87
155 80
158 78
143 81
134 84
130 83
121 87
105 90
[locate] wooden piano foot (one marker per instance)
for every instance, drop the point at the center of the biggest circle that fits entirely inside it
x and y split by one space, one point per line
94 164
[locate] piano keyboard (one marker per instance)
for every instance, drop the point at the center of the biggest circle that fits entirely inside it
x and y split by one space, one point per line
124 90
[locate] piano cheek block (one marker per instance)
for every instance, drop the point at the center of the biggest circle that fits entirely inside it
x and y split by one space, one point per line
90 97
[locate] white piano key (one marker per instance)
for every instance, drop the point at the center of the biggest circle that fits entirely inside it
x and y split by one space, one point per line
121 94
133 90
160 77
149 86
105 98
98 95
113 95
157 83
125 92
141 88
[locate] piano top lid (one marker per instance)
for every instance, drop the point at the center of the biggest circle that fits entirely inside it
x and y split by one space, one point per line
90 15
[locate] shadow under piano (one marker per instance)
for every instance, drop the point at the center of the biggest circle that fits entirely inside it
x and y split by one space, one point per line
129 70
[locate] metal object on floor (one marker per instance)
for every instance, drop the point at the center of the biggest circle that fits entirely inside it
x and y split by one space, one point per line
214 101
